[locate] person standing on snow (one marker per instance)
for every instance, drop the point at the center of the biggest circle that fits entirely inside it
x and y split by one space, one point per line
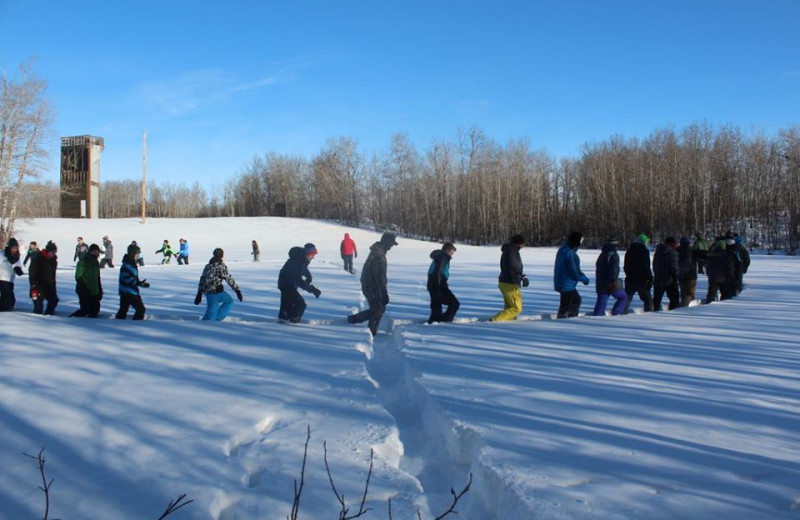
167 251
511 278
374 283
218 302
666 270
183 252
720 271
81 248
687 271
438 288
88 285
33 250
566 275
700 250
741 263
42 276
638 276
129 285
108 254
295 274
256 252
607 281
10 268
348 250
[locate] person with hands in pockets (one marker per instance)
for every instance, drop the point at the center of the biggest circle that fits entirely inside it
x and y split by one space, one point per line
218 302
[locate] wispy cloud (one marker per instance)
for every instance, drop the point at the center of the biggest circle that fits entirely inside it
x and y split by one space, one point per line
196 90
791 74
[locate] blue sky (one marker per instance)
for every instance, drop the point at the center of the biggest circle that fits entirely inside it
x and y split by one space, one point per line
215 83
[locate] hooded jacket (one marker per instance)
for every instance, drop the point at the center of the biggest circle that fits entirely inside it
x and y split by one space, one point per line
348 246
567 270
439 271
294 272
687 262
511 270
637 264
373 274
129 276
42 273
9 265
720 267
607 270
87 276
665 265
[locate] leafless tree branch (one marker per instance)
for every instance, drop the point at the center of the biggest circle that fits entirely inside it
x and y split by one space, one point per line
298 490
344 509
45 487
174 505
456 498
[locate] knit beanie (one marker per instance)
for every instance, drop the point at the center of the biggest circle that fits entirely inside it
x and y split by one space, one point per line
94 247
133 249
310 249
51 247
644 239
12 242
575 238
218 253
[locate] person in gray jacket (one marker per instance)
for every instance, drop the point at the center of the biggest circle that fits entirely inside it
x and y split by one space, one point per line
108 253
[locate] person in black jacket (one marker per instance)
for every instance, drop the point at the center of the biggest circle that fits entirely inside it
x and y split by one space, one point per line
438 276
687 271
607 281
511 278
741 263
294 275
42 276
665 270
374 283
638 276
720 271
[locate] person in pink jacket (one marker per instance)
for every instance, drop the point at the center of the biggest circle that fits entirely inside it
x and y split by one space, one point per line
348 250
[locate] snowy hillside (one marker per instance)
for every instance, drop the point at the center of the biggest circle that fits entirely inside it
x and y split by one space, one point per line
693 413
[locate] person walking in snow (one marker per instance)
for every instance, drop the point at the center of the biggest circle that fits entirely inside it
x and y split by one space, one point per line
295 274
10 268
218 302
88 285
687 271
139 257
438 288
183 252
167 251
349 251
511 278
720 271
608 282
81 248
665 271
129 285
741 259
42 276
638 276
108 253
33 250
374 283
566 275
700 250
256 252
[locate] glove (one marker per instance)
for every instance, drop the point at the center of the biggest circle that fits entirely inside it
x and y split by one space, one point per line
18 270
385 299
525 281
198 298
239 295
316 292
355 255
585 280
35 294
144 283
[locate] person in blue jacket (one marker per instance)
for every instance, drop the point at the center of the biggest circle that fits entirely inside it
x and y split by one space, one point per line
129 284
566 275
183 252
438 277
294 275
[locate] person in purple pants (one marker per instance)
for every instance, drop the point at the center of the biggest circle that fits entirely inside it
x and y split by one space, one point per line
608 283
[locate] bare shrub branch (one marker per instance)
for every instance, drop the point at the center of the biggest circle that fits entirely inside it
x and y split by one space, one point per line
456 498
45 487
174 505
344 509
298 490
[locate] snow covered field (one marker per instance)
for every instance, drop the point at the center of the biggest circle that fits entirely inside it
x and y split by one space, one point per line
693 413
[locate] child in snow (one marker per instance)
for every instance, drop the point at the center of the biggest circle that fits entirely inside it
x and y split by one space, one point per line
374 283
218 302
88 285
129 284
9 269
511 278
167 251
349 251
42 276
566 275
438 288
183 252
294 275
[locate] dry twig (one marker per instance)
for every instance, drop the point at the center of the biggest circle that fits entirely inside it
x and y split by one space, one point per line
174 505
456 498
298 491
45 487
361 510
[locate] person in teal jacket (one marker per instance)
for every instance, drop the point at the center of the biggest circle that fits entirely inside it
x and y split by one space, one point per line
566 275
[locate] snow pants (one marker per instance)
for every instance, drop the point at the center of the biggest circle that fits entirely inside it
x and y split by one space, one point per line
183 260
643 290
106 262
7 298
126 301
292 306
218 305
688 292
348 263
89 305
445 297
621 302
373 314
512 302
52 302
672 294
569 304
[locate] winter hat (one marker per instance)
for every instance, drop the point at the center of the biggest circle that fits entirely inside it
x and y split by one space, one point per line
448 246
728 234
218 253
575 238
133 249
94 247
670 240
612 240
517 240
686 241
51 247
12 242
310 249
644 239
739 239
389 239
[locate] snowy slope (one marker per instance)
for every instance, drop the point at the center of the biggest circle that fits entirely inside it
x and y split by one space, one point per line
692 413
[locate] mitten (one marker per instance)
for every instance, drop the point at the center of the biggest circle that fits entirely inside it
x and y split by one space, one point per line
198 298
239 295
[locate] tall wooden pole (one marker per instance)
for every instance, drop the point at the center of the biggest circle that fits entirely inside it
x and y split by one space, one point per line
144 177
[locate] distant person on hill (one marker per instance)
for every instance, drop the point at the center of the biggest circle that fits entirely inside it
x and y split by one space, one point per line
566 275
687 271
218 302
183 252
608 282
33 250
10 268
349 251
638 276
81 248
295 274
167 251
108 253
88 285
374 283
256 252
511 278
438 288
665 272
700 250
129 285
42 276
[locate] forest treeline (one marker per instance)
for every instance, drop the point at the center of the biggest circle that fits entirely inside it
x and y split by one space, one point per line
698 179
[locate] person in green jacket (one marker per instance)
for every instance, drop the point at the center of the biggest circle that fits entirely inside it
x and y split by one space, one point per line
88 285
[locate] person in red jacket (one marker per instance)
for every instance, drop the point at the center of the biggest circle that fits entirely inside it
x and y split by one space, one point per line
348 250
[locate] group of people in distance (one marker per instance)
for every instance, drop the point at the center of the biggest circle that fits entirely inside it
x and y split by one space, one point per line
672 272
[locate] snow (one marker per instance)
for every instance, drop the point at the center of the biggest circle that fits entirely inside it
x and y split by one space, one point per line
693 413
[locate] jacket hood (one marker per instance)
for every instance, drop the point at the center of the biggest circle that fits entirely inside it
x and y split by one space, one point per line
436 253
379 247
608 246
509 247
346 236
297 253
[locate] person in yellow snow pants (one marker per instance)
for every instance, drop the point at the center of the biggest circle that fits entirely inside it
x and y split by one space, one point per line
512 302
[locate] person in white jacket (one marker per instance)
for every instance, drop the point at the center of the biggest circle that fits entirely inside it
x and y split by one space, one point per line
10 268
